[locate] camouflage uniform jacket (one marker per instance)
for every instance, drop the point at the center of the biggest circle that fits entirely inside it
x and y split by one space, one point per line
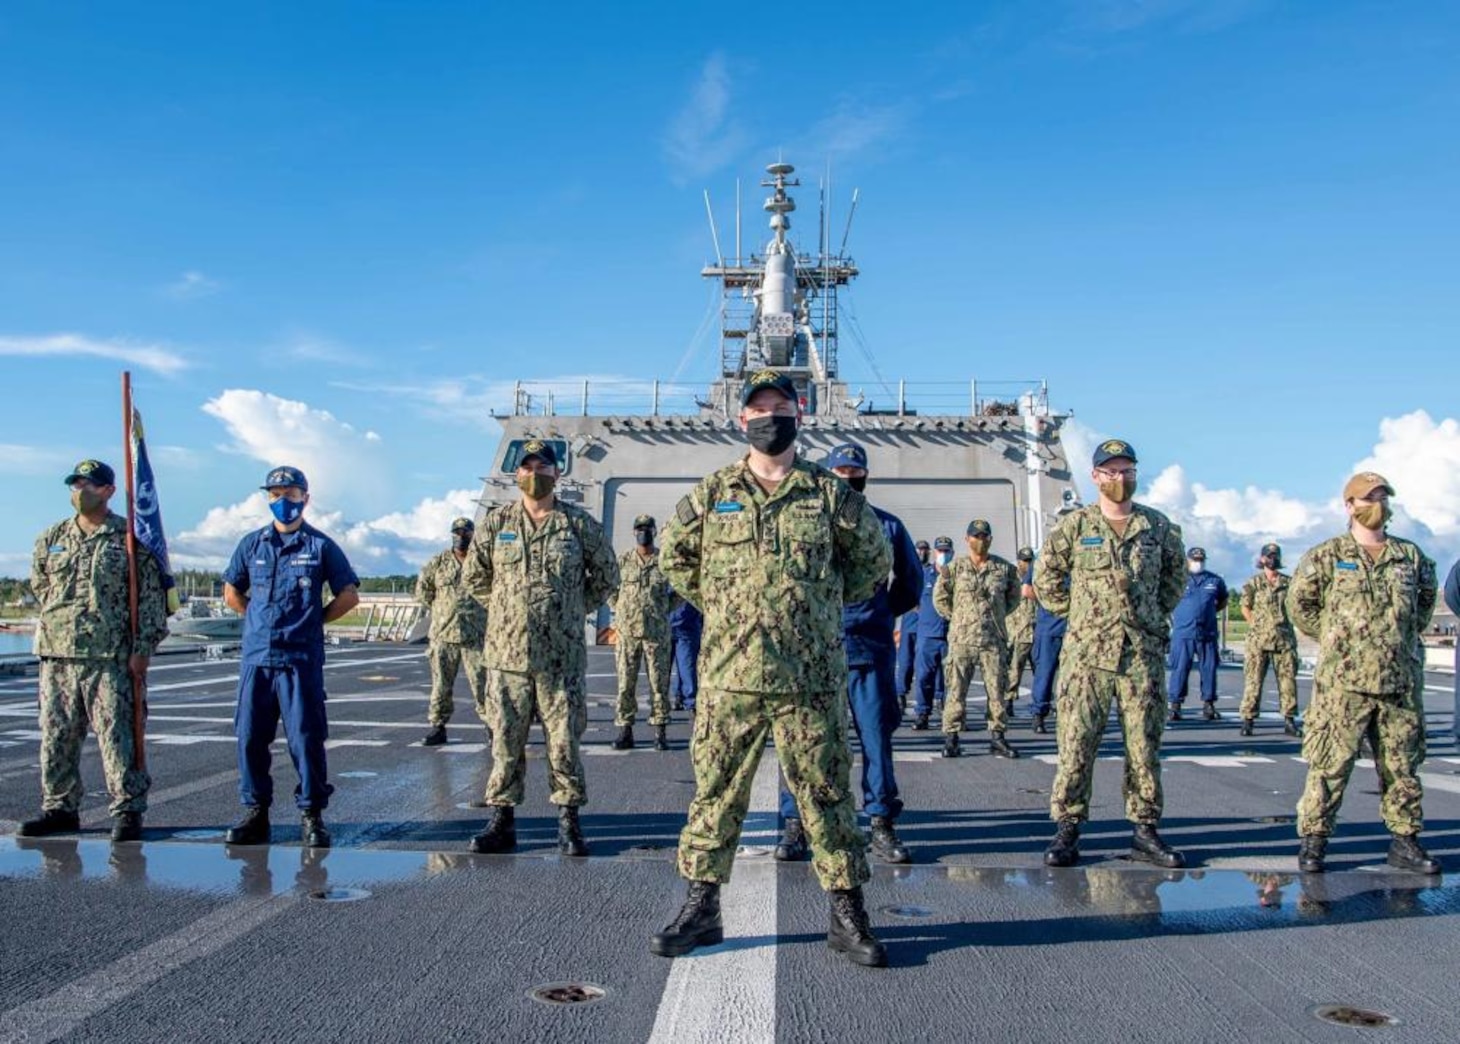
1122 589
1271 629
538 585
644 601
976 601
1367 615
1021 621
81 584
771 572
456 617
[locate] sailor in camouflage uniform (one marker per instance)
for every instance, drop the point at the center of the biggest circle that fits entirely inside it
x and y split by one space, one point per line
1021 630
458 628
770 548
1116 570
1270 641
976 595
80 578
641 618
539 565
1367 597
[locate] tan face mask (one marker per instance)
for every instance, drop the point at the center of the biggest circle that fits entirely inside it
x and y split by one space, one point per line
1119 490
536 485
1371 515
86 501
979 546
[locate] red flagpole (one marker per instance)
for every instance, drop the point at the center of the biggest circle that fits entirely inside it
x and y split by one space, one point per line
139 679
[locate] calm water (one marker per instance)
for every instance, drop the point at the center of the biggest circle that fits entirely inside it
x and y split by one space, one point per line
10 642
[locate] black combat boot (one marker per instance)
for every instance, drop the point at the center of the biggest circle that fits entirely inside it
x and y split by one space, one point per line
951 749
1039 723
1246 729
661 738
1209 711
127 827
920 723
625 738
252 829
1064 850
1174 714
1009 708
678 703
500 835
570 833
999 747
1406 853
435 737
850 932
1292 728
886 845
50 821
697 923
1147 846
792 846
312 833
1310 853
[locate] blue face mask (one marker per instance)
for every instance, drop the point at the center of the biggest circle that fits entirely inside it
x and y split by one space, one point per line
286 511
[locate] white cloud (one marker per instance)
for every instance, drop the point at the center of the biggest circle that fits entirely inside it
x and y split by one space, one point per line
702 137
190 286
346 467
854 127
148 356
16 459
317 348
1422 460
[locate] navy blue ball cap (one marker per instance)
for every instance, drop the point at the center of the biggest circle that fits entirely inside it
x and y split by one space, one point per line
921 545
1026 554
1197 554
543 451
286 476
644 522
1271 549
93 471
768 379
980 527
1112 448
847 455
463 525
943 544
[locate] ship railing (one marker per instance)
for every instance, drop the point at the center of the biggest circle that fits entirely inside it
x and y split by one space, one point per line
876 397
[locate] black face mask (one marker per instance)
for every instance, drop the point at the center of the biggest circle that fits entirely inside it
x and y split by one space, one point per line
923 555
1270 562
462 541
644 537
771 435
859 483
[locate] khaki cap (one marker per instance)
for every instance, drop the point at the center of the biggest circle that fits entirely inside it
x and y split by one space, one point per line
1364 483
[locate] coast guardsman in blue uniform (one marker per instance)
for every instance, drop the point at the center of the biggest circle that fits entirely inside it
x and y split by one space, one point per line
932 638
1194 636
276 582
686 625
907 636
867 628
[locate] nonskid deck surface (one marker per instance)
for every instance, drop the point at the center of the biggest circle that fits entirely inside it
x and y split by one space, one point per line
183 938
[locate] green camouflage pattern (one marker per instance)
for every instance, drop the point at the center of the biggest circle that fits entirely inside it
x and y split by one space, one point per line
1122 590
1270 628
771 571
446 659
629 654
80 582
1284 664
1020 622
645 599
73 693
810 733
538 584
456 616
975 600
1138 688
1336 721
1021 656
560 703
1367 615
958 666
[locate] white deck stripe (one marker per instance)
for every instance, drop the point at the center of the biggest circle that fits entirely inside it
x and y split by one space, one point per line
728 992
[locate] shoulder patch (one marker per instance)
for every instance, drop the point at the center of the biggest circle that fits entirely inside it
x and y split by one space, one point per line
685 511
850 512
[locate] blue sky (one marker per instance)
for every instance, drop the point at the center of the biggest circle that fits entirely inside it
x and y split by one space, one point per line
1227 231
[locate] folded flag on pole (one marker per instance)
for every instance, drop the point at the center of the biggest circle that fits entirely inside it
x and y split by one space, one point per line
147 514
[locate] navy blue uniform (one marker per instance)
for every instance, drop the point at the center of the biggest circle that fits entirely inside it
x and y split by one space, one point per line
282 673
1194 635
907 651
1452 602
1049 639
686 625
932 646
871 654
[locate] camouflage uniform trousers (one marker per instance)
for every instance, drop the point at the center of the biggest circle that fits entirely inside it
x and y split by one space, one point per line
1138 688
559 702
1284 664
1021 655
810 732
630 653
73 694
1336 721
446 660
958 670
